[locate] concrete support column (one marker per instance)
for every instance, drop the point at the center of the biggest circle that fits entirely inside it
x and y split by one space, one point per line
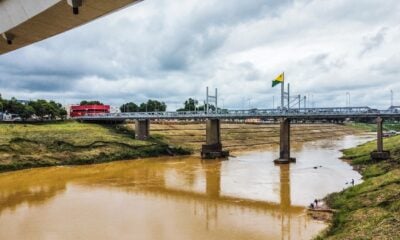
213 131
284 145
142 129
379 154
213 146
379 134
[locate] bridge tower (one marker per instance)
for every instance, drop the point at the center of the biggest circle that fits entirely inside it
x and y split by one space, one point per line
213 146
142 129
379 154
284 144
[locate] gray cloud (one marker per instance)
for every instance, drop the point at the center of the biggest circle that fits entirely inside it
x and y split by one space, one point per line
172 50
369 43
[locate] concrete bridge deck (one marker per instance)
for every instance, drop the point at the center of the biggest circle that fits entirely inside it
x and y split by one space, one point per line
29 21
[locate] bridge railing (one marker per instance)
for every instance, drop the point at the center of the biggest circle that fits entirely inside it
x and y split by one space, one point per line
248 113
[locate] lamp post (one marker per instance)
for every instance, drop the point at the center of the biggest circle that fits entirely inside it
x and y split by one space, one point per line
348 99
391 98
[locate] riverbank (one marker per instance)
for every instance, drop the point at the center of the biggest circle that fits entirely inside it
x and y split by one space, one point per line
71 143
370 210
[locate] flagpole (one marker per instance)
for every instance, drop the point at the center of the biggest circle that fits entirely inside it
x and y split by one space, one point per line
282 91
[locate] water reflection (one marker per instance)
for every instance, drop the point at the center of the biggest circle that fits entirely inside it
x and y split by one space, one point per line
168 198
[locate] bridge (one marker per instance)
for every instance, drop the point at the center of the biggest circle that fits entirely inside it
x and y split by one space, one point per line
213 147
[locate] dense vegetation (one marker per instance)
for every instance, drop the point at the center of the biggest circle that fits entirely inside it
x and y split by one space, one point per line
192 105
370 210
40 109
149 106
85 102
35 145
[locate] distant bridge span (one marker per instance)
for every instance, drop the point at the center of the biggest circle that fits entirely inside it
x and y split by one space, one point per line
213 146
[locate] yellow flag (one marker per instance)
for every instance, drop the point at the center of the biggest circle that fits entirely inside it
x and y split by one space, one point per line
278 79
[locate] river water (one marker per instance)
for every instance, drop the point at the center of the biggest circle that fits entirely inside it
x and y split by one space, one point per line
245 197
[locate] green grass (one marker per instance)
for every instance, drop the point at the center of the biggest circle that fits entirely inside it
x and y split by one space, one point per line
370 127
370 210
37 145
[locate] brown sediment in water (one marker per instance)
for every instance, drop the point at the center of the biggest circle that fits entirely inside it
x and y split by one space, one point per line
173 197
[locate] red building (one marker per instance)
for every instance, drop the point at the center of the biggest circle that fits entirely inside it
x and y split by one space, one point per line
78 110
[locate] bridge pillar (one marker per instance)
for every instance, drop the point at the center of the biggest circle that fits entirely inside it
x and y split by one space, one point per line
284 153
379 154
142 129
213 146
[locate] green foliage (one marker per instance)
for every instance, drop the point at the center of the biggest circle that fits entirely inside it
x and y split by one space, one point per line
153 106
129 107
189 105
40 108
149 106
85 102
371 127
27 112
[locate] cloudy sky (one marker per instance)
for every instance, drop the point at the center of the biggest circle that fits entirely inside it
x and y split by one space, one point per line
171 50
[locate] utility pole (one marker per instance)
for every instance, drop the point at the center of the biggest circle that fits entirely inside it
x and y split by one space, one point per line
391 98
216 100
273 102
299 101
207 100
282 91
288 96
347 99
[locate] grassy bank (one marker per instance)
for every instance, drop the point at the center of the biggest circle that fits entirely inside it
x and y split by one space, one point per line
66 143
370 127
370 210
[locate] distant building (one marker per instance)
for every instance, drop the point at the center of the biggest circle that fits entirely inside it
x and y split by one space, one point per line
115 109
85 110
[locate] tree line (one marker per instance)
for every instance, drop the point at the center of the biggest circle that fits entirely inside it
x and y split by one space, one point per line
192 105
40 108
149 106
156 106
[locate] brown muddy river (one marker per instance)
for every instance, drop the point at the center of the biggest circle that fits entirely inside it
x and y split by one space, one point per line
245 197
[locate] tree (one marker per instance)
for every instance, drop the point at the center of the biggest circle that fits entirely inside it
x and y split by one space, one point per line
84 102
189 105
63 113
153 106
27 112
41 107
129 107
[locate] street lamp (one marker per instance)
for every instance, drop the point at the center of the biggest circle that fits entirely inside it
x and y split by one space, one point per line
348 99
391 98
